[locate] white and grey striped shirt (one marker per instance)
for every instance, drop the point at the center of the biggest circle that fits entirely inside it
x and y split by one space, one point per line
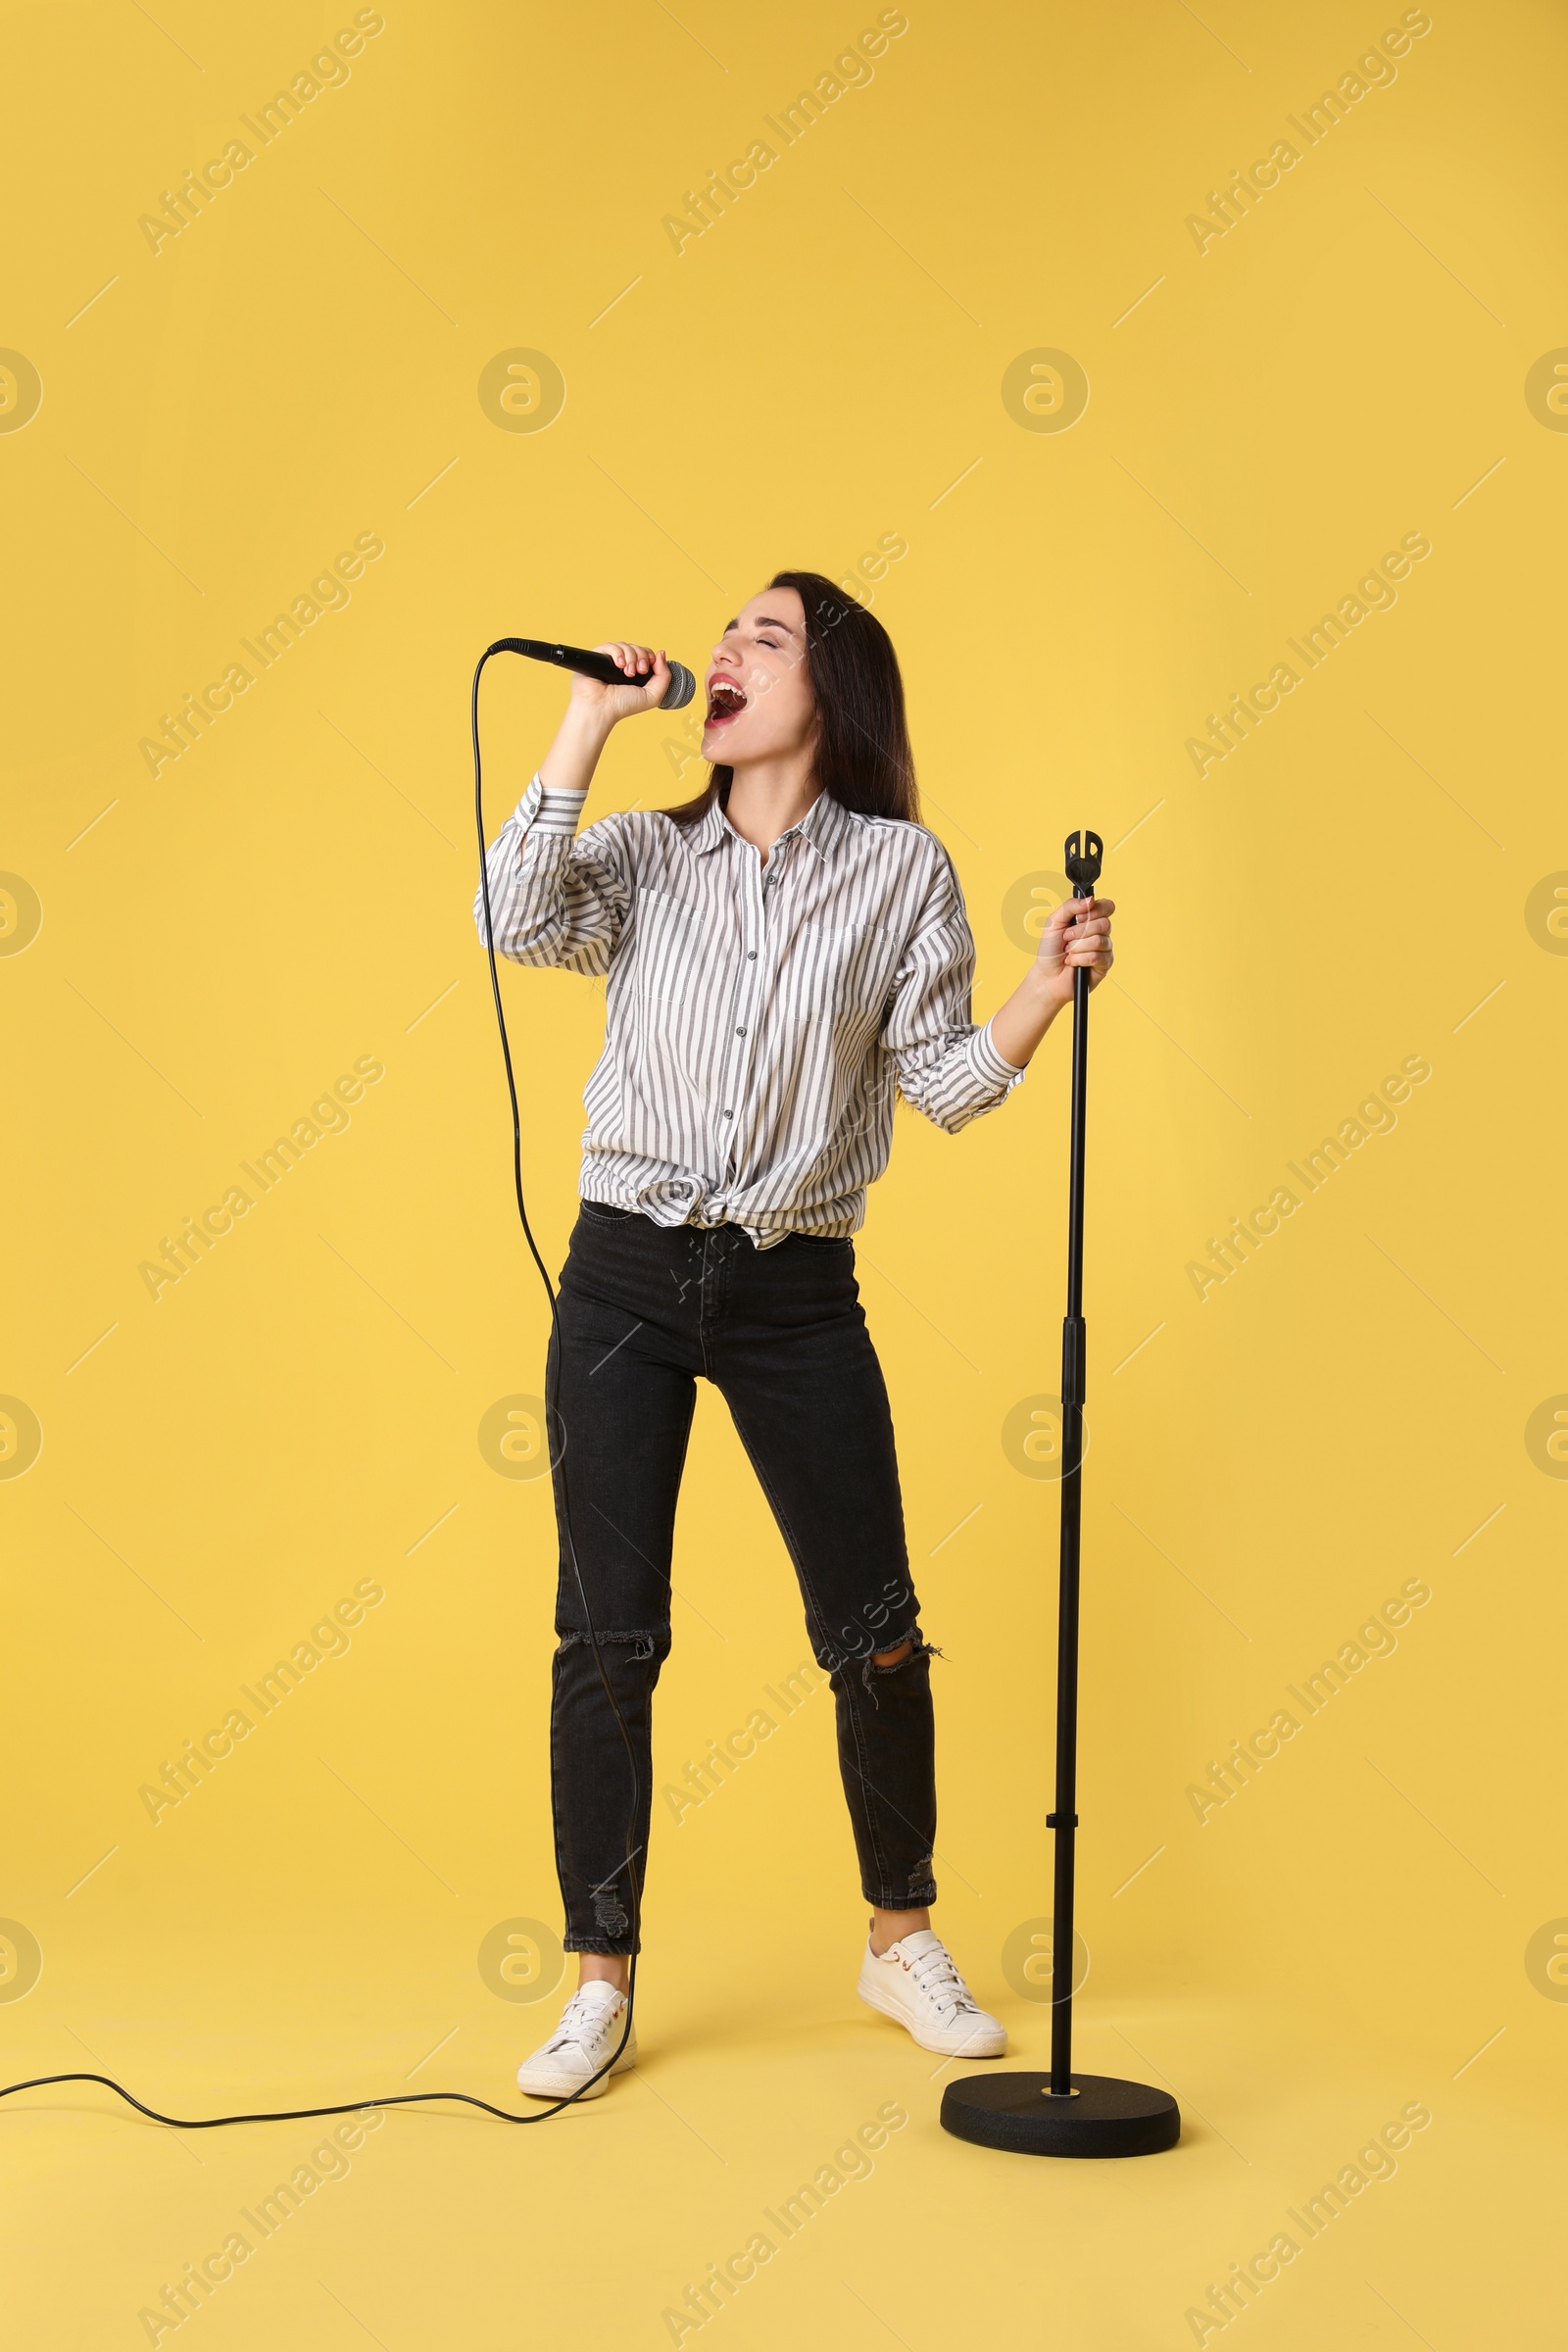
759 1019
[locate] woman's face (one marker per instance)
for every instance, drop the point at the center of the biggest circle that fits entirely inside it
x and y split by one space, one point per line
759 702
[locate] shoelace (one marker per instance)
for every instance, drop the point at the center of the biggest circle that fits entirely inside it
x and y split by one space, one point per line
938 1978
582 2024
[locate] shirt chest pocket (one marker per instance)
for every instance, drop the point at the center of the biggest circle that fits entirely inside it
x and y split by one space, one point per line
841 971
667 948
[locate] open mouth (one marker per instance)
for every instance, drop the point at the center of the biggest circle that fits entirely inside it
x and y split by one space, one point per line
725 700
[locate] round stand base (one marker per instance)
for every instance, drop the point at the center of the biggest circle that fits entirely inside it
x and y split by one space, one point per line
1103 2116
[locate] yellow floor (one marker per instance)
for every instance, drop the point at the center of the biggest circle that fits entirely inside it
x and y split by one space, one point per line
442 2228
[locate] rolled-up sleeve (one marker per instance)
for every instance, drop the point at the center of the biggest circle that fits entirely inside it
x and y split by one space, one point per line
557 897
947 1067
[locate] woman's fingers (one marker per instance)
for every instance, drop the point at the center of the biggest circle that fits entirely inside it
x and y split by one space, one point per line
1079 932
642 683
630 658
1074 912
635 660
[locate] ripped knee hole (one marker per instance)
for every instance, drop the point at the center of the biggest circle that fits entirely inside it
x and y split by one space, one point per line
894 1657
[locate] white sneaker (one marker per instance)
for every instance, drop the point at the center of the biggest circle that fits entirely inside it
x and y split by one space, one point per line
591 2025
916 1983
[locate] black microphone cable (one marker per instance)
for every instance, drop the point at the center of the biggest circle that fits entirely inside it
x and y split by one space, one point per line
413 2098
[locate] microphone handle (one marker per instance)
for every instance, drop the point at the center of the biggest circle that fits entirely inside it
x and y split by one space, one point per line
595 665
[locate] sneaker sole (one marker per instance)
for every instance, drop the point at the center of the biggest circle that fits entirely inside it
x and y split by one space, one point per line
562 2086
947 2047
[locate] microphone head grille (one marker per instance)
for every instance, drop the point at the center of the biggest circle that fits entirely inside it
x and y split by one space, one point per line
682 686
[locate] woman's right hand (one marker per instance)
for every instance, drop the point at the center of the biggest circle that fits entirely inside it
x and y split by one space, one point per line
647 681
593 709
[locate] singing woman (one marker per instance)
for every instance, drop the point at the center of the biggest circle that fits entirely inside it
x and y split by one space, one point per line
782 955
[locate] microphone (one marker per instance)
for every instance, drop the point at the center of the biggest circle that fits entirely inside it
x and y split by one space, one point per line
682 685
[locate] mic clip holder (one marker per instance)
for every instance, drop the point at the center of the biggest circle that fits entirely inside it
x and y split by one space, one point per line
1082 860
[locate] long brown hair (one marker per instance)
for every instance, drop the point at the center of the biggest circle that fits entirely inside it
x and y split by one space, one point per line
864 757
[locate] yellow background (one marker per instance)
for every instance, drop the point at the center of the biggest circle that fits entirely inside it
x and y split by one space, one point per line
818 369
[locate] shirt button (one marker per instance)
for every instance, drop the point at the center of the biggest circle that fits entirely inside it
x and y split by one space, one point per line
740 1033
751 954
729 1114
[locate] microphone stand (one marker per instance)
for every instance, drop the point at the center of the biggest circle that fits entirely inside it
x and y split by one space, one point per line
1063 2114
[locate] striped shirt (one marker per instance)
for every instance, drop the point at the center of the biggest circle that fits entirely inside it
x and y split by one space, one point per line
760 1019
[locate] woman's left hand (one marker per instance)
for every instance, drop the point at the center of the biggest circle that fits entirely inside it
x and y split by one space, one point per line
1077 935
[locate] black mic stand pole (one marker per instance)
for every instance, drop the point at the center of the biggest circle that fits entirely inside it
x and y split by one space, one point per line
1063 2114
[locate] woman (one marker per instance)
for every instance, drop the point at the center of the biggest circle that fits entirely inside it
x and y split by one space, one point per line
782 956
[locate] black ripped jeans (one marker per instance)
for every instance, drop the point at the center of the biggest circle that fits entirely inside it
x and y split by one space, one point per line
644 1310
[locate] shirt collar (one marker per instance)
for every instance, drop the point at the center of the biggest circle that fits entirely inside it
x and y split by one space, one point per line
710 830
824 825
